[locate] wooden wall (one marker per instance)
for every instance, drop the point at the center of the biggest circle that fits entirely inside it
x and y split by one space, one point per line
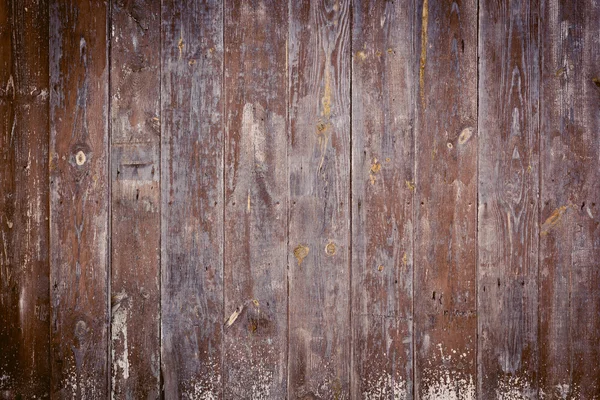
313 199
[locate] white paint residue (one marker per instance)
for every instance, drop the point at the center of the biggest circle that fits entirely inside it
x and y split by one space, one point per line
385 387
253 128
447 385
120 351
206 387
514 388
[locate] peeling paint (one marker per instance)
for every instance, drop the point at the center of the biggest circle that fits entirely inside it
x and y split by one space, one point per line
465 135
385 387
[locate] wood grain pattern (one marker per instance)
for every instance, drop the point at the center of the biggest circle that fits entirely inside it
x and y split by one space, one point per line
192 199
445 201
255 272
79 198
383 103
24 234
135 214
319 186
508 199
570 185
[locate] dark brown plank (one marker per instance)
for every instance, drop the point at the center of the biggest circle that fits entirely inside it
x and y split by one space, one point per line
192 199
319 186
570 209
508 199
79 199
445 201
255 273
24 200
135 215
382 196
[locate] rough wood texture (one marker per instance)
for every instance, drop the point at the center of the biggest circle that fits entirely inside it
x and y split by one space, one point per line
508 199
255 273
319 186
570 208
192 199
446 201
135 215
24 235
79 198
382 193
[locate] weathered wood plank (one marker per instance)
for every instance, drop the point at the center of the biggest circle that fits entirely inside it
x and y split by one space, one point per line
570 208
24 200
135 214
382 197
192 199
508 199
319 186
79 199
255 272
445 201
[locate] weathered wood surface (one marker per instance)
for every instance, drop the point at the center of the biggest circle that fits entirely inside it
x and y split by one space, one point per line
508 199
284 199
319 187
192 199
135 199
79 198
255 219
383 84
24 235
445 203
570 204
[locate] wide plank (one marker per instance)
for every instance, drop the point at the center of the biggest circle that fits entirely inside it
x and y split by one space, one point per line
319 189
191 199
135 199
570 204
24 201
383 106
445 249
255 270
79 198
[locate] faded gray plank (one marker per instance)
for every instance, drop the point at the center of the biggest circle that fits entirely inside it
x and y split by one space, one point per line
255 273
383 103
192 199
319 186
79 200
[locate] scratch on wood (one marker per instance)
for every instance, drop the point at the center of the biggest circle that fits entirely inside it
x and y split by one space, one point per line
425 21
553 219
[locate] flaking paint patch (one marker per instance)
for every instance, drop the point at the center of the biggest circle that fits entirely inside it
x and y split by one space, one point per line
119 348
443 384
206 387
465 135
385 387
561 391
423 60
514 388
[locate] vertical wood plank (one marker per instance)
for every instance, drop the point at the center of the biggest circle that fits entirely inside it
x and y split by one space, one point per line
192 199
255 272
79 199
382 196
319 186
445 201
24 201
508 199
570 209
135 214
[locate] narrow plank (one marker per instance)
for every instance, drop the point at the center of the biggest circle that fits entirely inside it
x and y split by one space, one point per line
319 187
192 199
445 201
79 199
382 197
135 202
508 199
570 208
24 233
255 273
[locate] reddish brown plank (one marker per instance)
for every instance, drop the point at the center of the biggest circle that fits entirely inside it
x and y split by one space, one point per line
192 199
319 187
508 199
445 201
24 200
255 273
570 208
79 199
382 197
135 213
